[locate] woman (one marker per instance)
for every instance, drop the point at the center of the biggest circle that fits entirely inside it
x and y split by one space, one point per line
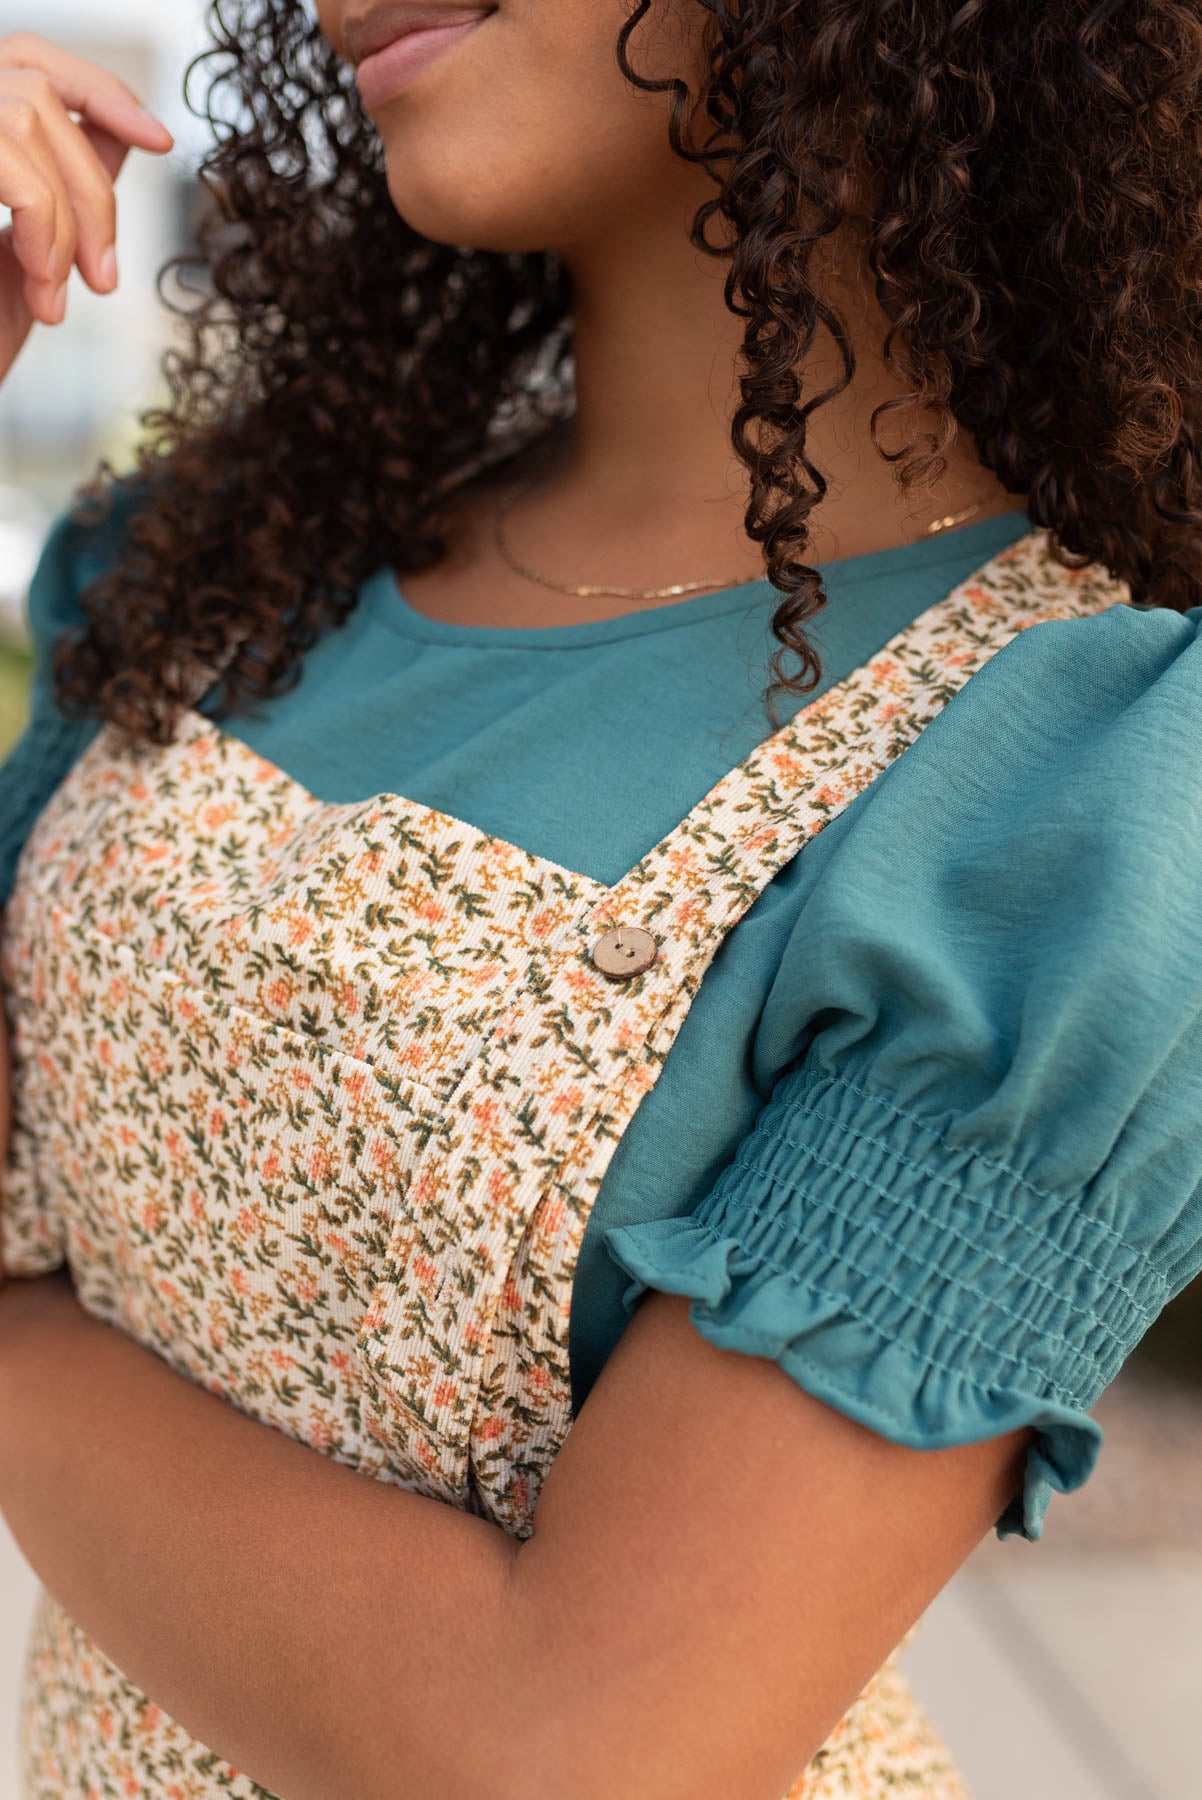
399 1007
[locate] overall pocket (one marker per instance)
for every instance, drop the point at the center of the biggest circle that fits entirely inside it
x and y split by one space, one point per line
224 1188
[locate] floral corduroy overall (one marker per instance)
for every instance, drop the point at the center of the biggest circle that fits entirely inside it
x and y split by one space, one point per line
316 1099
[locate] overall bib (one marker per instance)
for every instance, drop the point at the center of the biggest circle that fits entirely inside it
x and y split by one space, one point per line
315 1100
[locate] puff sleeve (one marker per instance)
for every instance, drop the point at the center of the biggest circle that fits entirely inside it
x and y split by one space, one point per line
72 556
977 1175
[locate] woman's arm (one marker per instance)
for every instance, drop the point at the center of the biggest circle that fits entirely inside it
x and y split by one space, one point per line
718 1566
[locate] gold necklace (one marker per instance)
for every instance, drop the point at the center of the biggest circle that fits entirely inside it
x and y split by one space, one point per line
513 493
591 593
951 519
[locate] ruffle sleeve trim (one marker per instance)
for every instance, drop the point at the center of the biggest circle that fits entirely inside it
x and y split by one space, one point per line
934 1297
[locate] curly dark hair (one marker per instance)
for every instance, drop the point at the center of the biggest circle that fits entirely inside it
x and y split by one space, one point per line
1033 226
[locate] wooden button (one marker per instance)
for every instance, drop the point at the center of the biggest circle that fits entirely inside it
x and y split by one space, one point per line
625 951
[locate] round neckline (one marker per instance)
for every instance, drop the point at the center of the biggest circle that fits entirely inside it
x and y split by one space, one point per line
385 598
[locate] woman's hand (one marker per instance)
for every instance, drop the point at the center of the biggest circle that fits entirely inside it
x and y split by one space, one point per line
57 175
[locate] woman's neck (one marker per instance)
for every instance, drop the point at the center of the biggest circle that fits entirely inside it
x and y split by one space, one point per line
649 490
642 488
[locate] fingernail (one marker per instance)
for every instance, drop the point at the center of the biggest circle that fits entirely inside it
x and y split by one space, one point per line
60 300
108 267
157 123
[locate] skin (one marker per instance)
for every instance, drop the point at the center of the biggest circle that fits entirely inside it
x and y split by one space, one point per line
720 1561
527 137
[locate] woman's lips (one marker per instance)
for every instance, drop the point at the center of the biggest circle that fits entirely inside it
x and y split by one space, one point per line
386 72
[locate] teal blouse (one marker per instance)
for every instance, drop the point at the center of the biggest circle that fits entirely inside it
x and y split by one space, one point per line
931 1135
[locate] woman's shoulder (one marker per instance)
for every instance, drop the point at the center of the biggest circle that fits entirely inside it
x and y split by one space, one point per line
1113 687
1045 827
82 544
77 550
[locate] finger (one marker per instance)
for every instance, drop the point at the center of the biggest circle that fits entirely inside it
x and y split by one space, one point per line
16 319
43 226
85 88
87 183
111 150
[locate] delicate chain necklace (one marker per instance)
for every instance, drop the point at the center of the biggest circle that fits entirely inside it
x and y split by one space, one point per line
513 493
952 519
591 593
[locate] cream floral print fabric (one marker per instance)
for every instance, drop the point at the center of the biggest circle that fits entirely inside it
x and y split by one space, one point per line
316 1100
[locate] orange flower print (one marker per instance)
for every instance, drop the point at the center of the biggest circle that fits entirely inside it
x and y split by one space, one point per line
641 1078
500 1187
379 1267
277 995
551 1217
486 1113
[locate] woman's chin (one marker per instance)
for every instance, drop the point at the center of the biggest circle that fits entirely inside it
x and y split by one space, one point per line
454 211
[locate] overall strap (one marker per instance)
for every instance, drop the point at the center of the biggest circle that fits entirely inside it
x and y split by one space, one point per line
500 1202
704 875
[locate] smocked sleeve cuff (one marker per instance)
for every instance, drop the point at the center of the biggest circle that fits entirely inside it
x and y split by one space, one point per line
936 1296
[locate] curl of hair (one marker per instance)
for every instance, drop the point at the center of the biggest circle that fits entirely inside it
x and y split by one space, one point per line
1033 229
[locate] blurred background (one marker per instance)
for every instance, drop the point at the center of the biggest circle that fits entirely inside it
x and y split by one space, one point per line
1070 1669
77 390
